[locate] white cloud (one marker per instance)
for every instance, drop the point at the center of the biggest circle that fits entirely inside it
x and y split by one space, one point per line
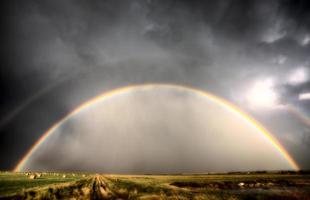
304 96
298 76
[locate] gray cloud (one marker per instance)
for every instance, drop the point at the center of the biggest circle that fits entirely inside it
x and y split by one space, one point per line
220 46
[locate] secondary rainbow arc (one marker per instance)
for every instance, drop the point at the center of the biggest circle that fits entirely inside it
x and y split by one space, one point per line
222 102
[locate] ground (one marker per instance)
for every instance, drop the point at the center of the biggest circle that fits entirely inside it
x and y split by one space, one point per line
262 185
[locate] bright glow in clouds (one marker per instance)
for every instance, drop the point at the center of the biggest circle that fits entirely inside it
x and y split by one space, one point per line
262 94
304 96
298 76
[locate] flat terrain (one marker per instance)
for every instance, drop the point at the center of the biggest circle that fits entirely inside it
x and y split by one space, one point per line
203 186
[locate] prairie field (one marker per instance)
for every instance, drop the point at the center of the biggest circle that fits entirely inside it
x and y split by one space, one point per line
50 185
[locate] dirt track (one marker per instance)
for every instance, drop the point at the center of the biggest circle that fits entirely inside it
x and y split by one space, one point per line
95 187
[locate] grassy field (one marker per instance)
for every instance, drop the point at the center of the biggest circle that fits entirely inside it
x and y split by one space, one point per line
103 186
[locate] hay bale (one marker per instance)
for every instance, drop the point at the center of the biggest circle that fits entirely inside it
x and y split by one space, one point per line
241 184
32 176
64 176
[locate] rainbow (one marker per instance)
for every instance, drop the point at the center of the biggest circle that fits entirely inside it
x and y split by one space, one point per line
299 115
222 102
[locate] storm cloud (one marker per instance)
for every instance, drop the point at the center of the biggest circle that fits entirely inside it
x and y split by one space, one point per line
58 54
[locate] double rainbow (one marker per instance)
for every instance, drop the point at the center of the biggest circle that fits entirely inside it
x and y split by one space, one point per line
222 102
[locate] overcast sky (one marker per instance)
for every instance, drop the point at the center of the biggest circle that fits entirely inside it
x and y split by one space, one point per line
58 54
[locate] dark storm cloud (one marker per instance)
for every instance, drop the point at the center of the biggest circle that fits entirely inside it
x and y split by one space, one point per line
83 48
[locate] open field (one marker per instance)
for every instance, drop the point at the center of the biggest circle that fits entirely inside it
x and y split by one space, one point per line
104 186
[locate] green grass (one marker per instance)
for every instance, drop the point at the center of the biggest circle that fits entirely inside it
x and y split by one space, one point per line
13 183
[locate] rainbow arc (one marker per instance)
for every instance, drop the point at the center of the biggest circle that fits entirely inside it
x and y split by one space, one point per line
113 93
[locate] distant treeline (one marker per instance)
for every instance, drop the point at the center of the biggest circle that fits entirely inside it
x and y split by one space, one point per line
273 172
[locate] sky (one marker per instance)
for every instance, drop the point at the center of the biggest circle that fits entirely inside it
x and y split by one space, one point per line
58 54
